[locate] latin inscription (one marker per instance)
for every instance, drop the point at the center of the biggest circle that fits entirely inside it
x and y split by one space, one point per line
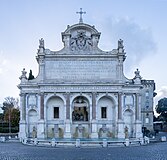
80 70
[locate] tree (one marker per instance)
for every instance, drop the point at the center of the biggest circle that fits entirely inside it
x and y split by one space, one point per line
1 117
14 116
11 111
161 108
9 103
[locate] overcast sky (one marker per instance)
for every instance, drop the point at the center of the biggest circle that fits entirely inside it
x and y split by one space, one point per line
142 24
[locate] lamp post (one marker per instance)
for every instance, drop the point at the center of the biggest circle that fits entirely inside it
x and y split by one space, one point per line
9 112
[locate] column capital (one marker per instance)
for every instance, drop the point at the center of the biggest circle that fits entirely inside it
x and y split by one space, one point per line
138 94
41 93
22 94
120 93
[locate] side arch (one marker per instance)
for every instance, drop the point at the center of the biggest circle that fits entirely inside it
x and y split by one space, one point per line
55 108
54 95
32 123
106 115
109 95
128 117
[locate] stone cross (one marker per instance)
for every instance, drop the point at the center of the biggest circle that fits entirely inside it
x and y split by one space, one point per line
81 12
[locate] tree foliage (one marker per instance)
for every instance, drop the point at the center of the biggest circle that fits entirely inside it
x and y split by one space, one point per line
11 111
161 108
14 116
1 117
9 103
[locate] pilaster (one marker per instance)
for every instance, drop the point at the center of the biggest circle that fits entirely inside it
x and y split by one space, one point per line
67 133
22 124
138 123
120 121
93 105
137 106
41 106
22 129
94 131
23 106
68 106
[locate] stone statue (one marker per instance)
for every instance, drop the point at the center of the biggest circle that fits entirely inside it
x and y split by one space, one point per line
137 73
30 75
23 76
126 132
34 132
120 44
41 43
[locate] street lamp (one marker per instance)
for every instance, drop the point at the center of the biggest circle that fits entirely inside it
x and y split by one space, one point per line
9 112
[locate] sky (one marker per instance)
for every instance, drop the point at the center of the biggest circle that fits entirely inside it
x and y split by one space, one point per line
141 24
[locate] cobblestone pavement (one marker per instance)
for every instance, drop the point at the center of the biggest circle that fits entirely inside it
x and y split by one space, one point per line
18 151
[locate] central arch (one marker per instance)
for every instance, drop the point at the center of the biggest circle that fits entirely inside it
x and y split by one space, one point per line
80 116
80 109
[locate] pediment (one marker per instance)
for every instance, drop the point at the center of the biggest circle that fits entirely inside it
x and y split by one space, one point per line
81 38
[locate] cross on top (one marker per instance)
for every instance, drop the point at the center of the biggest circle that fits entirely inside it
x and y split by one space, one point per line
81 12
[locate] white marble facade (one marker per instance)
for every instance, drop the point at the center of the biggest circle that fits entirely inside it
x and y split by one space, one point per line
81 91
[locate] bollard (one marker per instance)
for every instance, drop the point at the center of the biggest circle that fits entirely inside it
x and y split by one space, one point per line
77 143
25 140
126 142
35 141
2 139
53 143
105 143
147 140
21 140
141 141
163 139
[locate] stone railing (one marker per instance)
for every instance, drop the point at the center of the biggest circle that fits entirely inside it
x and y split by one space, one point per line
85 143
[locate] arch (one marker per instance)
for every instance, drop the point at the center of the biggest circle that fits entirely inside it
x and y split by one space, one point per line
55 108
32 123
106 103
112 97
83 95
81 26
54 95
32 116
128 121
80 109
106 114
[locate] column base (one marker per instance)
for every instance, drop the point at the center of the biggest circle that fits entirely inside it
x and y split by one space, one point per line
94 135
41 129
67 133
139 133
22 130
94 132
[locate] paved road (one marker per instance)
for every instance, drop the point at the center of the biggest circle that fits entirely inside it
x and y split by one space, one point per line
18 151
